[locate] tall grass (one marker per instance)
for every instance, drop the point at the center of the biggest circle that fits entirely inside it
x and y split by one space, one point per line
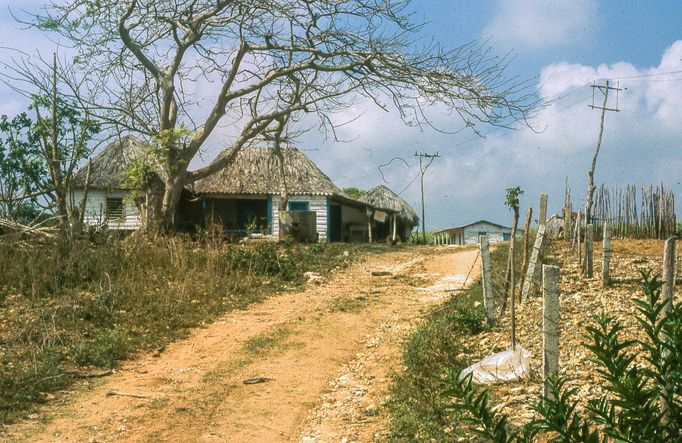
97 301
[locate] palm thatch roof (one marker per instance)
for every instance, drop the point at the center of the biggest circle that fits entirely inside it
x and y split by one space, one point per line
109 167
382 197
256 170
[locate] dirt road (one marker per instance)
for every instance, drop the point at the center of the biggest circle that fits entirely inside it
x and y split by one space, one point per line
319 364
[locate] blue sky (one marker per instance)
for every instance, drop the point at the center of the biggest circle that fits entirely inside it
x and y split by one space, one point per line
564 45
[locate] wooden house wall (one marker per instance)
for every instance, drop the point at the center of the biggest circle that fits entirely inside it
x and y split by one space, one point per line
317 203
96 205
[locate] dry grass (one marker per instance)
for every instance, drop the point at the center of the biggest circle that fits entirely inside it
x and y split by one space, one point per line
67 307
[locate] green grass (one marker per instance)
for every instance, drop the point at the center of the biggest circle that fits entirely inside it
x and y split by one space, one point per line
417 408
65 306
349 304
268 341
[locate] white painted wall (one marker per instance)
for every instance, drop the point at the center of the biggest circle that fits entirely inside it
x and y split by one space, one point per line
493 232
96 205
317 203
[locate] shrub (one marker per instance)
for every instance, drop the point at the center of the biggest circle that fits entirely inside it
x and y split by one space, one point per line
631 410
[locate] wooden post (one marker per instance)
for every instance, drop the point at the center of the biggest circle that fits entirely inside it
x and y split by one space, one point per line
370 214
568 219
542 218
589 247
488 301
668 273
550 324
667 291
606 256
578 230
512 296
524 264
530 274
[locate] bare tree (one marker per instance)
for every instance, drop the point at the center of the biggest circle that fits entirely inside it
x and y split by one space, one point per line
59 134
264 60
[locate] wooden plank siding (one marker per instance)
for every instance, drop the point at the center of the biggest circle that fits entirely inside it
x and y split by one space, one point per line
95 210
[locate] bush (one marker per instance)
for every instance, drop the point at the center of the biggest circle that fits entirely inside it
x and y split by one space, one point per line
631 411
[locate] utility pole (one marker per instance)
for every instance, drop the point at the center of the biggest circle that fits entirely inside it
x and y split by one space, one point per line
422 171
604 89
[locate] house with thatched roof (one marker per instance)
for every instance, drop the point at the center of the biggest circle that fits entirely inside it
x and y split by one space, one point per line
109 202
242 197
393 217
245 196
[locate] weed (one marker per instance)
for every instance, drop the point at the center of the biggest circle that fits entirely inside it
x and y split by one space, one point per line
267 341
349 304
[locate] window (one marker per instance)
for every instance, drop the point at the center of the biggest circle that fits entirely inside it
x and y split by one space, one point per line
299 206
506 236
482 233
114 208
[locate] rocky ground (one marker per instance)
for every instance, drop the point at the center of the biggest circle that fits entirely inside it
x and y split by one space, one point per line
581 299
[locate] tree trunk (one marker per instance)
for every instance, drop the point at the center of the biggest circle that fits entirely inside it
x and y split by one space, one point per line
172 191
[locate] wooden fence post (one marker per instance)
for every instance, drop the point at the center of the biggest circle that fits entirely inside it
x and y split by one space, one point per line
667 291
530 274
589 248
568 222
578 230
550 325
488 301
606 256
542 217
524 264
668 273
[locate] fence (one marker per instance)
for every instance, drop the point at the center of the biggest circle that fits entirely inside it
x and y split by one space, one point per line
650 216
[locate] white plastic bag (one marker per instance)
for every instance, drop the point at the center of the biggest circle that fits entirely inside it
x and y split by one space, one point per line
504 366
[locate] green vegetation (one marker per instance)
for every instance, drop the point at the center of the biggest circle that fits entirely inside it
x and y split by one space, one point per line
353 192
419 411
630 411
268 340
349 304
94 302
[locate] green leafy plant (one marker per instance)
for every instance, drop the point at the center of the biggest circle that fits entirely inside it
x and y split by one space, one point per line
643 402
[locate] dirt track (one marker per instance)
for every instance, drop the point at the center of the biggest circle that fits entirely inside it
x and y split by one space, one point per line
326 355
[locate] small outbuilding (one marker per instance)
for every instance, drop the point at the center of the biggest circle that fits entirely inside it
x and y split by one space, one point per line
393 219
468 234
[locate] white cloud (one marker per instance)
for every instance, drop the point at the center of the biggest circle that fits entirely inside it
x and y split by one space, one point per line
536 24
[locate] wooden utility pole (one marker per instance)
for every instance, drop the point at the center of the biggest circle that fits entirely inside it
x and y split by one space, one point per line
422 171
604 89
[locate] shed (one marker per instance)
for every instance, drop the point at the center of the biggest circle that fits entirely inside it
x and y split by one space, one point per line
385 200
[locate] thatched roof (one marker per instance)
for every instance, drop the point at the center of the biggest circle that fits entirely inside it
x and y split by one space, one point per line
109 166
256 170
382 197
